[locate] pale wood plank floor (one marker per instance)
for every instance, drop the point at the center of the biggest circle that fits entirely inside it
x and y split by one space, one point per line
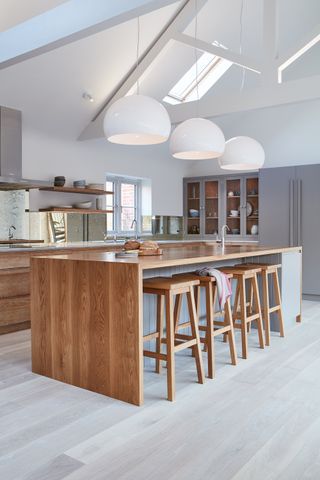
257 421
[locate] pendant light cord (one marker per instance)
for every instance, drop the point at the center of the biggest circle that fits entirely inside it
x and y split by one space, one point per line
241 40
196 53
137 54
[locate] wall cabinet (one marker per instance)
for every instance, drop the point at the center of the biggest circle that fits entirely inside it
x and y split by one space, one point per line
211 202
290 215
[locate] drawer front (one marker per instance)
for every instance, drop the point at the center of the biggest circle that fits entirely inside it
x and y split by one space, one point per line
14 310
14 261
14 282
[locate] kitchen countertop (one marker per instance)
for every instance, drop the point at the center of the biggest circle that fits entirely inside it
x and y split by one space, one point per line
180 255
5 248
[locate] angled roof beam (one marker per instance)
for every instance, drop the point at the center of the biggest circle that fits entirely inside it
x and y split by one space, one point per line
267 96
269 42
68 22
297 50
178 23
233 57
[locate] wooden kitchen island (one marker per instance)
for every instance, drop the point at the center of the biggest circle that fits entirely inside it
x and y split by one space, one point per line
88 311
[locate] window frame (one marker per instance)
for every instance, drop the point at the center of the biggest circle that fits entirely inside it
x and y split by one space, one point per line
117 207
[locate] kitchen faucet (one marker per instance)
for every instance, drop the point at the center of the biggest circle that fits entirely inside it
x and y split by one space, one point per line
135 224
224 229
10 233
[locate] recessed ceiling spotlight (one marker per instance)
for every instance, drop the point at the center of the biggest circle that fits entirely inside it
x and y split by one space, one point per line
86 96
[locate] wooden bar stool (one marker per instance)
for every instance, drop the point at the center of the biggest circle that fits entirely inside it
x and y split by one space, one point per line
213 327
244 278
166 288
269 271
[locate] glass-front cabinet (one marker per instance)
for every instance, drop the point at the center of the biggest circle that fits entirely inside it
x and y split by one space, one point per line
193 208
211 202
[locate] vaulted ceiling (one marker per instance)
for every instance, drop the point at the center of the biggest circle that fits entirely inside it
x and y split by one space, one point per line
48 87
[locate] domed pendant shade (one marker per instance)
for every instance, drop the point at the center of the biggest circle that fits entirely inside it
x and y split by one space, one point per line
242 153
137 120
197 139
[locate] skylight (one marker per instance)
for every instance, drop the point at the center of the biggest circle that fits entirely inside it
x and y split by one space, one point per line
210 69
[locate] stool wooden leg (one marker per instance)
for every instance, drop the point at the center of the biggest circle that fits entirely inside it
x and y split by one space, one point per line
209 333
265 306
177 311
170 347
228 321
251 306
197 298
257 302
160 312
277 295
243 301
236 302
195 334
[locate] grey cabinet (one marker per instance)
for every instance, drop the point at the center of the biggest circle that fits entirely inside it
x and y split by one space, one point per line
290 215
211 202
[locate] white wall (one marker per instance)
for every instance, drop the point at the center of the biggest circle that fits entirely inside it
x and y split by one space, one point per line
290 135
44 157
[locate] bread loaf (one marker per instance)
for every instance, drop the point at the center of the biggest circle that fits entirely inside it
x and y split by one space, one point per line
149 245
132 245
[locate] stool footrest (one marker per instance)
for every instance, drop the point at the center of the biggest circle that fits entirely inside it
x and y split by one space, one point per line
276 308
187 344
151 336
158 356
182 326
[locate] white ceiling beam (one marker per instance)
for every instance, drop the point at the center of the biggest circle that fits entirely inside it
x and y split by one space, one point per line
179 23
233 57
269 42
263 97
299 48
66 23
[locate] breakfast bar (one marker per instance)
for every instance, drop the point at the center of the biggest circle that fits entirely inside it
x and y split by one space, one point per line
87 309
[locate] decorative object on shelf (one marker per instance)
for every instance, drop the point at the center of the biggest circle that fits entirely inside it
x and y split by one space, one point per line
254 230
235 231
234 213
193 212
248 207
79 184
96 186
100 203
242 153
137 119
197 138
194 229
230 194
59 181
83 205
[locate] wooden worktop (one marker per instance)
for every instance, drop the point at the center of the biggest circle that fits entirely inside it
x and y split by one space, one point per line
179 255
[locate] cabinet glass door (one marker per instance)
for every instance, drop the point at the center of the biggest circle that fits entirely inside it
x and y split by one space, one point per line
233 205
252 206
193 208
211 201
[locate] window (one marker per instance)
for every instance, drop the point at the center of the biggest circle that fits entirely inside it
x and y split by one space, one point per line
125 203
210 69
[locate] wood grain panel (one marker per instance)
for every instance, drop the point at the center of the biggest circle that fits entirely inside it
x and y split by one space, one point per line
14 282
87 325
14 310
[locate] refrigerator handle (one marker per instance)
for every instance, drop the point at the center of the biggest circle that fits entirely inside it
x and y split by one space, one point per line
291 212
299 223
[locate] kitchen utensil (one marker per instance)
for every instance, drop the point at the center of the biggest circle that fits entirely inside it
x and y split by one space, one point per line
79 184
254 230
230 194
249 209
234 213
96 186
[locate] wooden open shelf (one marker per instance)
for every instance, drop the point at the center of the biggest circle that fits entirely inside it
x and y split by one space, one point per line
73 210
85 191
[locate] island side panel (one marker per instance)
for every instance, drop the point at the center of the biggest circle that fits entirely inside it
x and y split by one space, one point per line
86 325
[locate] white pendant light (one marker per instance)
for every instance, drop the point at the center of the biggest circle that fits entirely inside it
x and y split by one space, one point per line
242 153
197 139
137 120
